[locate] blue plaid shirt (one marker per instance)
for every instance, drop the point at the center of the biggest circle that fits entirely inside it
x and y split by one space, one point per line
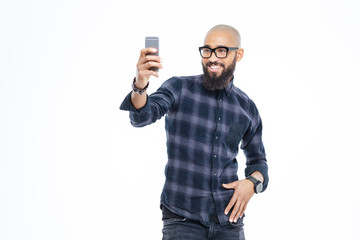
204 130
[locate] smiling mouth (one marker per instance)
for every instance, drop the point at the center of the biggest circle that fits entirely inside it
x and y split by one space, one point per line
214 67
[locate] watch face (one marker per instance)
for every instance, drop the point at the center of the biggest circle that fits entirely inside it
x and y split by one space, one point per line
259 187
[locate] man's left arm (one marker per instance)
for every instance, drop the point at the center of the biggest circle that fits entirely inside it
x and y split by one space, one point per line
256 167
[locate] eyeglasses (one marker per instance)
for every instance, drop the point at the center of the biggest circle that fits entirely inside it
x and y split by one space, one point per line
220 52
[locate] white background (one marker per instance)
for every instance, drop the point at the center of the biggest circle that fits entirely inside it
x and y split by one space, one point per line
72 166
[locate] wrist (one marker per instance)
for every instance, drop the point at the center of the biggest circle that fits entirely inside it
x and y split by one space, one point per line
139 88
258 185
140 85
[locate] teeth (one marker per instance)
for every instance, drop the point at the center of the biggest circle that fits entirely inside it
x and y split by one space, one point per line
214 66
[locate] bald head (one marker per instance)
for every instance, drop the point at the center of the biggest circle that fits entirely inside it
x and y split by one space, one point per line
226 28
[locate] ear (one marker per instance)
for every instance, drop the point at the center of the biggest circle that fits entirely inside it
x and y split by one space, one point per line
240 54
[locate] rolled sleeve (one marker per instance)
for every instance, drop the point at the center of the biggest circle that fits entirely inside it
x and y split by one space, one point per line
136 115
157 104
255 153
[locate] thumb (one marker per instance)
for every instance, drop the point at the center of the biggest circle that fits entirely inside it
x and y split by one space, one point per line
229 185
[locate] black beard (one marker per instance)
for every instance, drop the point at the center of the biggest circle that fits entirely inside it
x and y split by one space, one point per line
220 82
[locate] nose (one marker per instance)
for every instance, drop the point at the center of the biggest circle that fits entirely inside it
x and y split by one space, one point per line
213 57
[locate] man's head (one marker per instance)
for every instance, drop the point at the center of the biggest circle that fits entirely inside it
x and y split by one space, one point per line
219 63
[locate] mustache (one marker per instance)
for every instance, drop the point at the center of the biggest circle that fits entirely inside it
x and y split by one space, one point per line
208 64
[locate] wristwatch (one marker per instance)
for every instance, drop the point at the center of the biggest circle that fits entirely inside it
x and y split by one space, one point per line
258 185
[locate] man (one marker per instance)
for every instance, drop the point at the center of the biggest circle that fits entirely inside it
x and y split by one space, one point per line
206 119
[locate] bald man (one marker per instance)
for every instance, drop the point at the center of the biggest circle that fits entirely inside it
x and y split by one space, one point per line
207 118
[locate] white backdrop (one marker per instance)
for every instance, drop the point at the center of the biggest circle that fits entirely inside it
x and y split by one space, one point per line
72 166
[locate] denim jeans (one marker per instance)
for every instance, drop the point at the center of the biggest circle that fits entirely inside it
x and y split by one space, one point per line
184 229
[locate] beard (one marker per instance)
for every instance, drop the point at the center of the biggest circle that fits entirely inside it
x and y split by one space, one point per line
213 83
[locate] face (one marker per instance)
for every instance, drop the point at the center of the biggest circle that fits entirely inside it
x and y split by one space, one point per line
219 71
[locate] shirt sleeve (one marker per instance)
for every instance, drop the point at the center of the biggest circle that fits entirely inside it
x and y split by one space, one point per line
254 151
157 105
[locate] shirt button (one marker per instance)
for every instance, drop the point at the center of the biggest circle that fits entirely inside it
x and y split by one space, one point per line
216 137
219 118
214 174
215 156
214 193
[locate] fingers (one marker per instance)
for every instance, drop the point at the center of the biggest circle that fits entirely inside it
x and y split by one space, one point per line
230 204
229 185
146 72
147 51
234 212
145 64
147 61
148 58
241 196
238 211
232 200
241 211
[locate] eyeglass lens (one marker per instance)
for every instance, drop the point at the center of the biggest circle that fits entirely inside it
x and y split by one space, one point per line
219 52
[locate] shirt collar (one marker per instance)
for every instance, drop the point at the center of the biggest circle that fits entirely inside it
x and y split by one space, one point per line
229 87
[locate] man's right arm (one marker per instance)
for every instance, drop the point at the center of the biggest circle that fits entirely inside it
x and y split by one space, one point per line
143 74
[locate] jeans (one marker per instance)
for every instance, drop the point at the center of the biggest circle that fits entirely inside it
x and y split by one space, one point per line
184 229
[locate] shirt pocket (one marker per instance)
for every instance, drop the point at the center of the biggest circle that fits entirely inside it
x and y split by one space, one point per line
235 135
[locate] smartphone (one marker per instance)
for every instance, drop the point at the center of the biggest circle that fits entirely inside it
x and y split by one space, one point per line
154 43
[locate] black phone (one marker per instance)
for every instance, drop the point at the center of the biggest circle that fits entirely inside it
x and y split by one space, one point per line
154 43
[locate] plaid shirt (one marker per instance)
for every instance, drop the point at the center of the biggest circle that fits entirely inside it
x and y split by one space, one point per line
204 129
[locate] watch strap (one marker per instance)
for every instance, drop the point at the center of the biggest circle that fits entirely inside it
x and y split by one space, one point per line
252 179
255 182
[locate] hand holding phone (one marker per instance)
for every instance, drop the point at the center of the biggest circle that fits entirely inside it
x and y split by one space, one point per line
154 43
149 62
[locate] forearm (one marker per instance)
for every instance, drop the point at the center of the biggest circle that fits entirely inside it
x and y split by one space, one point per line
138 100
254 151
146 62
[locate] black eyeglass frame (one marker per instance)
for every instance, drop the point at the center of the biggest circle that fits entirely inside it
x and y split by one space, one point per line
212 50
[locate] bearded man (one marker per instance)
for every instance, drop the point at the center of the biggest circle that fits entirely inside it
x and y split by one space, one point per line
206 119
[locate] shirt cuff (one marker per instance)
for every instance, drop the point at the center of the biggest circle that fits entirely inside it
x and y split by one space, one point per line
260 168
135 114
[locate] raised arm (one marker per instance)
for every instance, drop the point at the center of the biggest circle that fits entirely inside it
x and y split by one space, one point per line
143 74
